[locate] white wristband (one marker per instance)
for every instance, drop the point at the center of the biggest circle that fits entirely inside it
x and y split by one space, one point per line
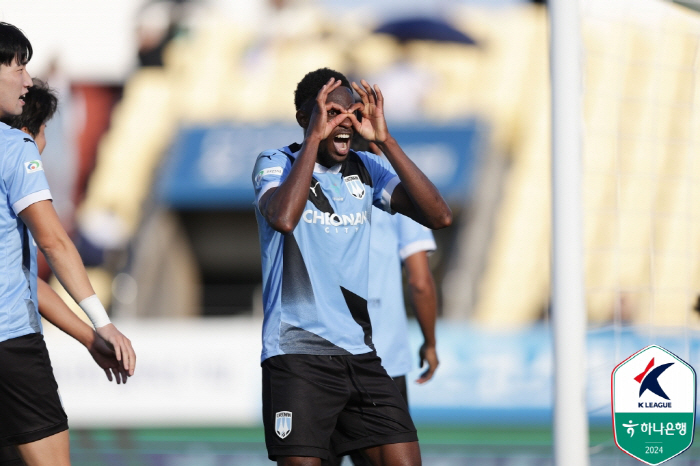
95 311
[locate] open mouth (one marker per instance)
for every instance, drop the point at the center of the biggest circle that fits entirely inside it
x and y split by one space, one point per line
342 143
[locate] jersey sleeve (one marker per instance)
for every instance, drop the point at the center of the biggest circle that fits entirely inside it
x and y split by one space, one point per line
384 180
413 237
271 168
23 174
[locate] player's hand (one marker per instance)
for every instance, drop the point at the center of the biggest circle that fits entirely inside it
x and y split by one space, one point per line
373 125
427 354
122 346
326 116
105 357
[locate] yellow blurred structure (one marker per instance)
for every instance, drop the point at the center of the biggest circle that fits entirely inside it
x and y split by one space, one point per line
641 140
641 159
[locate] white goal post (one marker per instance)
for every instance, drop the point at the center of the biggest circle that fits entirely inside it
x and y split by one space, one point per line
569 323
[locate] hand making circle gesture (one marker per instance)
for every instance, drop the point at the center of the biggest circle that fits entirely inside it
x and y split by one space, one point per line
326 115
373 125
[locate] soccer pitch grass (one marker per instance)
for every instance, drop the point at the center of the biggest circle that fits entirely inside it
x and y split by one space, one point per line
440 446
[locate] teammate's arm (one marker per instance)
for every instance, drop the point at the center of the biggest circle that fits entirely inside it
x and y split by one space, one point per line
42 220
53 309
283 205
416 197
423 295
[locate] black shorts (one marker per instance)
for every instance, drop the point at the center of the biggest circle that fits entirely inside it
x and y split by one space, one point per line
29 401
9 456
310 401
400 382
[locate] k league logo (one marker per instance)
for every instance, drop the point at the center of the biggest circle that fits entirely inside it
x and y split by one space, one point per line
355 186
283 423
653 404
651 381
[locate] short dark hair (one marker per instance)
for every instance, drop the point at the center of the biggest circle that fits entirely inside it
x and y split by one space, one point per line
40 103
14 44
310 84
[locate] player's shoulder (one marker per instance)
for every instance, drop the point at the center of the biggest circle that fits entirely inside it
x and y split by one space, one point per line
10 135
370 158
271 154
12 140
283 155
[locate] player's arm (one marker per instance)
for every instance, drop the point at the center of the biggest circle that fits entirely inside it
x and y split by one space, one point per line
416 197
283 205
423 295
53 309
42 220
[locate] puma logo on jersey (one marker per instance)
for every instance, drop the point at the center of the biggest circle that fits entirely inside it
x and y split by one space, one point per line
313 188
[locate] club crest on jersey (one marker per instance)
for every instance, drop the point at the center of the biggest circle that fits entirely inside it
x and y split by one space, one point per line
355 186
283 423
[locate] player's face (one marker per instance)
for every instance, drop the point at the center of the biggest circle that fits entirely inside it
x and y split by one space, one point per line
336 146
14 82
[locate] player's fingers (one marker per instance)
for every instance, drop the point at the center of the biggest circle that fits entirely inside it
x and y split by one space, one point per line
109 374
132 359
361 92
126 357
327 88
117 375
321 96
380 96
125 375
338 120
117 351
427 375
357 106
335 106
355 122
370 92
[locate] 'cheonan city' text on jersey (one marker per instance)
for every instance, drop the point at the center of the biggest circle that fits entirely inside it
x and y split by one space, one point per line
315 279
23 184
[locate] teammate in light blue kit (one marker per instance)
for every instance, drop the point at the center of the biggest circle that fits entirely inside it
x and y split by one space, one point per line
32 416
322 381
395 241
398 240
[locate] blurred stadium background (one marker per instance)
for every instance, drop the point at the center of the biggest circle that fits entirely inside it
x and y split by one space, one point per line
164 106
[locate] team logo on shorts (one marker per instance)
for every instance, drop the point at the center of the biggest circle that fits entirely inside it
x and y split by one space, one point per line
34 166
355 186
283 423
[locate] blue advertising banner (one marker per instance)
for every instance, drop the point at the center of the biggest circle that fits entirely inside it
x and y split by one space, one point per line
210 167
506 377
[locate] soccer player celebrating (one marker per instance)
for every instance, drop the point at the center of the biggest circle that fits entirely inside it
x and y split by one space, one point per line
322 379
32 415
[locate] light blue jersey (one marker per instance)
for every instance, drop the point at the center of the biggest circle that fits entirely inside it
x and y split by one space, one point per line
393 239
315 279
23 184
